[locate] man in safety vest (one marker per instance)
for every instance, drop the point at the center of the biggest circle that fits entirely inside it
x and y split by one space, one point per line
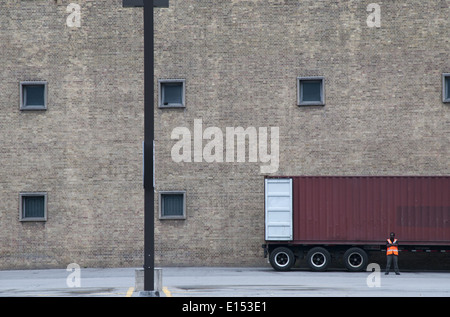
392 254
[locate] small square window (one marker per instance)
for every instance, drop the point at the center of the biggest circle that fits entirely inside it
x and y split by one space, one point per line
33 206
445 87
172 205
310 91
33 95
171 93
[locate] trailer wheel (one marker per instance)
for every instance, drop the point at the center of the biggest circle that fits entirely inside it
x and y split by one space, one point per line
318 259
355 259
282 259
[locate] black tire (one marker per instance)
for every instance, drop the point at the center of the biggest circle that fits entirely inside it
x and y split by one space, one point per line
318 259
355 259
282 259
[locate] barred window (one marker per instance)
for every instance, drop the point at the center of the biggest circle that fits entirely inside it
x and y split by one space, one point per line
33 206
172 205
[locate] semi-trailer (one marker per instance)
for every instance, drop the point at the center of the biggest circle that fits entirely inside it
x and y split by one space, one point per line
319 218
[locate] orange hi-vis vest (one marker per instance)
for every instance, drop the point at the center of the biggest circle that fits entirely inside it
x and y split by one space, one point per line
392 249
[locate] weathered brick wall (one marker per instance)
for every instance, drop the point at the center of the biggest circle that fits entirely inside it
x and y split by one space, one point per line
383 112
85 150
240 59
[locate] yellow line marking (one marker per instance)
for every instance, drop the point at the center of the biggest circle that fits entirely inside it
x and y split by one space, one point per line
130 292
167 292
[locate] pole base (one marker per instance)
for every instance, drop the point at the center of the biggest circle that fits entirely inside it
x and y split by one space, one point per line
148 294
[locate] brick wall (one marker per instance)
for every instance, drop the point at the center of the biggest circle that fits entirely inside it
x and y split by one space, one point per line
383 112
383 115
85 149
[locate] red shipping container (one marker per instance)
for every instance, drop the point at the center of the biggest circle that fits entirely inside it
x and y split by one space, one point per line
365 209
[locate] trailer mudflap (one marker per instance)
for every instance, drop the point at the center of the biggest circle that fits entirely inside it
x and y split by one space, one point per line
266 250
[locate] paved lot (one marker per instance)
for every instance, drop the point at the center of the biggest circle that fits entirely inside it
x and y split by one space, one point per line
267 282
43 283
224 282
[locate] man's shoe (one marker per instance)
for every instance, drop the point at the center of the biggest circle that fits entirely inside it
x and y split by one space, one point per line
387 273
396 273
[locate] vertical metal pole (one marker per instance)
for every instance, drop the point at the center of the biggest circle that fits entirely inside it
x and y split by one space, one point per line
149 221
149 197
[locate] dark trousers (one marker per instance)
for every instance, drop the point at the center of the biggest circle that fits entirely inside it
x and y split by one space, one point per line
392 258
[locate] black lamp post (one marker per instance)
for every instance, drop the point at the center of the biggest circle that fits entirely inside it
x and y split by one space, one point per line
149 198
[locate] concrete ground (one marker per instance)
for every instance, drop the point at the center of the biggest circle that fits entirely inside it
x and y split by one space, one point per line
223 282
